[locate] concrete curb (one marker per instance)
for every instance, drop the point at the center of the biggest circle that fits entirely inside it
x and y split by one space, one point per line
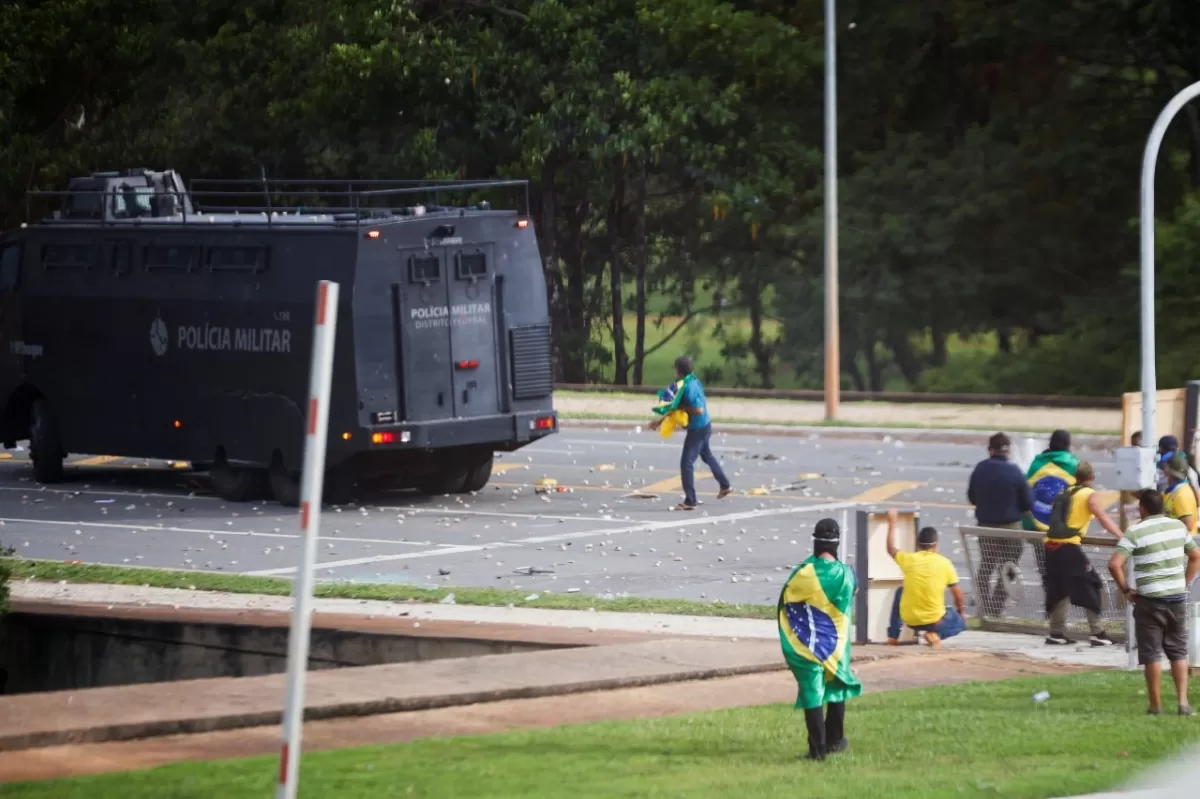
906 434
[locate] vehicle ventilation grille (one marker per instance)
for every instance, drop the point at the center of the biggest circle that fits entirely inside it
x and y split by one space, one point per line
532 367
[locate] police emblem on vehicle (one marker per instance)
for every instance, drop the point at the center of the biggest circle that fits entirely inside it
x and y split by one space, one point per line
159 338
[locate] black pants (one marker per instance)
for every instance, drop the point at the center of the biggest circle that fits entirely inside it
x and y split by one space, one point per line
825 731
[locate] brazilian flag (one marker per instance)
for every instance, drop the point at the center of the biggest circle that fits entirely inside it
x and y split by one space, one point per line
668 407
1050 473
815 615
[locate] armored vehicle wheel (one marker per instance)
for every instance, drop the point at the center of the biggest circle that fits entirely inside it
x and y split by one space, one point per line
478 476
450 479
285 486
45 444
237 483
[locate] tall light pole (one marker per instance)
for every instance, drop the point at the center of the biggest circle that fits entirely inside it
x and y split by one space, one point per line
833 370
1149 162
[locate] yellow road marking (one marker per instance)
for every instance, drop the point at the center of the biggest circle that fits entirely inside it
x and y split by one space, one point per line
501 468
6 456
97 460
670 484
885 491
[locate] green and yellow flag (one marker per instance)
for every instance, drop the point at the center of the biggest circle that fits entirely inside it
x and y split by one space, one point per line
815 616
668 407
1049 474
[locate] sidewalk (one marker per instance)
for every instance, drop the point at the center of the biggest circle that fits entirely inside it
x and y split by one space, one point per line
731 629
796 412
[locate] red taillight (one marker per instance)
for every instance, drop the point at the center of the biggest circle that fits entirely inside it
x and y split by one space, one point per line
467 365
386 437
543 423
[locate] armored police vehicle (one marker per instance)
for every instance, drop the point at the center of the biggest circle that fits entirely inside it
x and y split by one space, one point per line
144 319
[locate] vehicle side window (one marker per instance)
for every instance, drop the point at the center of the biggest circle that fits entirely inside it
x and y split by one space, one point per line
156 257
10 267
424 269
472 265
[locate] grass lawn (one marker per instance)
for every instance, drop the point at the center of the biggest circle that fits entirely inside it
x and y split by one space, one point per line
981 739
55 571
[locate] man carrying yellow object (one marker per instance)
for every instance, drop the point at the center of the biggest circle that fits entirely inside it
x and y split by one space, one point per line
690 399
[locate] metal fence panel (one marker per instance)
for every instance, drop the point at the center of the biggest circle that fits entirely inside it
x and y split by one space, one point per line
1006 568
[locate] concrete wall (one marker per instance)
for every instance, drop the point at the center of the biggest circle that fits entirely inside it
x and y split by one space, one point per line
47 652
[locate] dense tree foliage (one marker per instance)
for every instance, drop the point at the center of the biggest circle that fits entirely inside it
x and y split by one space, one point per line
990 155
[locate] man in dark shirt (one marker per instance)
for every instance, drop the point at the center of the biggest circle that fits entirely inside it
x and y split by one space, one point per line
1001 496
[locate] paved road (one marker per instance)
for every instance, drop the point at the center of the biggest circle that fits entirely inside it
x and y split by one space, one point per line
593 539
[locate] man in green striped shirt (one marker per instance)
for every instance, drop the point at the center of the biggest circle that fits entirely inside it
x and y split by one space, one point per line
1165 562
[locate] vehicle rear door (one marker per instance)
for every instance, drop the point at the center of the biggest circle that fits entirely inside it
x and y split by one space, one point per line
423 330
471 287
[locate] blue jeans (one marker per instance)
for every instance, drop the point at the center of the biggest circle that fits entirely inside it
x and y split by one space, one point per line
951 624
695 445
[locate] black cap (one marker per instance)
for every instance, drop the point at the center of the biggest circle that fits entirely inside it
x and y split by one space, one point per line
1060 440
927 536
827 531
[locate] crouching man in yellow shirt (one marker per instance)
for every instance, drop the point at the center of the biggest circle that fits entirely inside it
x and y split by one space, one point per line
921 602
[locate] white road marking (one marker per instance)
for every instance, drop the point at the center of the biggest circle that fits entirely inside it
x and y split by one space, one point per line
640 528
501 515
689 521
428 553
92 491
235 533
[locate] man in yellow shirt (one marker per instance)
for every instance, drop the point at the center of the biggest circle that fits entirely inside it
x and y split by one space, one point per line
1179 500
921 602
1070 578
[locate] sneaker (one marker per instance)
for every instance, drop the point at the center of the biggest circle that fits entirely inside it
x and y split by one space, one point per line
844 744
1100 639
1186 710
1058 639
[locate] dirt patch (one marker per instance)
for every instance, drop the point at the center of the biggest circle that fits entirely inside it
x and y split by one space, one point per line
909 670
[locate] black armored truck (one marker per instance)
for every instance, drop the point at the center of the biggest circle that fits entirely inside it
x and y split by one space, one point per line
145 318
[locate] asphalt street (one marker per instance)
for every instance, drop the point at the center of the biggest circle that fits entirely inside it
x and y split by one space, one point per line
607 528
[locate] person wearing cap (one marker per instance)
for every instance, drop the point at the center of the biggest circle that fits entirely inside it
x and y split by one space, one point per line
921 602
815 615
690 399
1179 498
1001 497
1070 578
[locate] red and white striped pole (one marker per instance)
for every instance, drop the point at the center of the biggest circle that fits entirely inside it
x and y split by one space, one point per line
311 485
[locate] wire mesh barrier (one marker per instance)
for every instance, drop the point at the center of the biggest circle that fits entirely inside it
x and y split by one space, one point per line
1006 569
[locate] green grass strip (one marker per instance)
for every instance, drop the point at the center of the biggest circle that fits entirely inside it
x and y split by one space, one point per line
982 739
56 571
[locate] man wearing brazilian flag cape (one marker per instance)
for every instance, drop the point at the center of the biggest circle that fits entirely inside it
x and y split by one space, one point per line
1050 473
815 618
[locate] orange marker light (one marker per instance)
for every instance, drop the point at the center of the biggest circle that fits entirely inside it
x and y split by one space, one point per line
178 424
522 223
345 436
386 437
372 234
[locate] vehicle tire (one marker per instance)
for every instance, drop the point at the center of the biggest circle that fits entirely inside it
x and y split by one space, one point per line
237 483
339 486
338 489
285 486
447 480
478 476
45 444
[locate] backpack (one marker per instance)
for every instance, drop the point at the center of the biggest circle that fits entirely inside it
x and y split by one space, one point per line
1059 512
